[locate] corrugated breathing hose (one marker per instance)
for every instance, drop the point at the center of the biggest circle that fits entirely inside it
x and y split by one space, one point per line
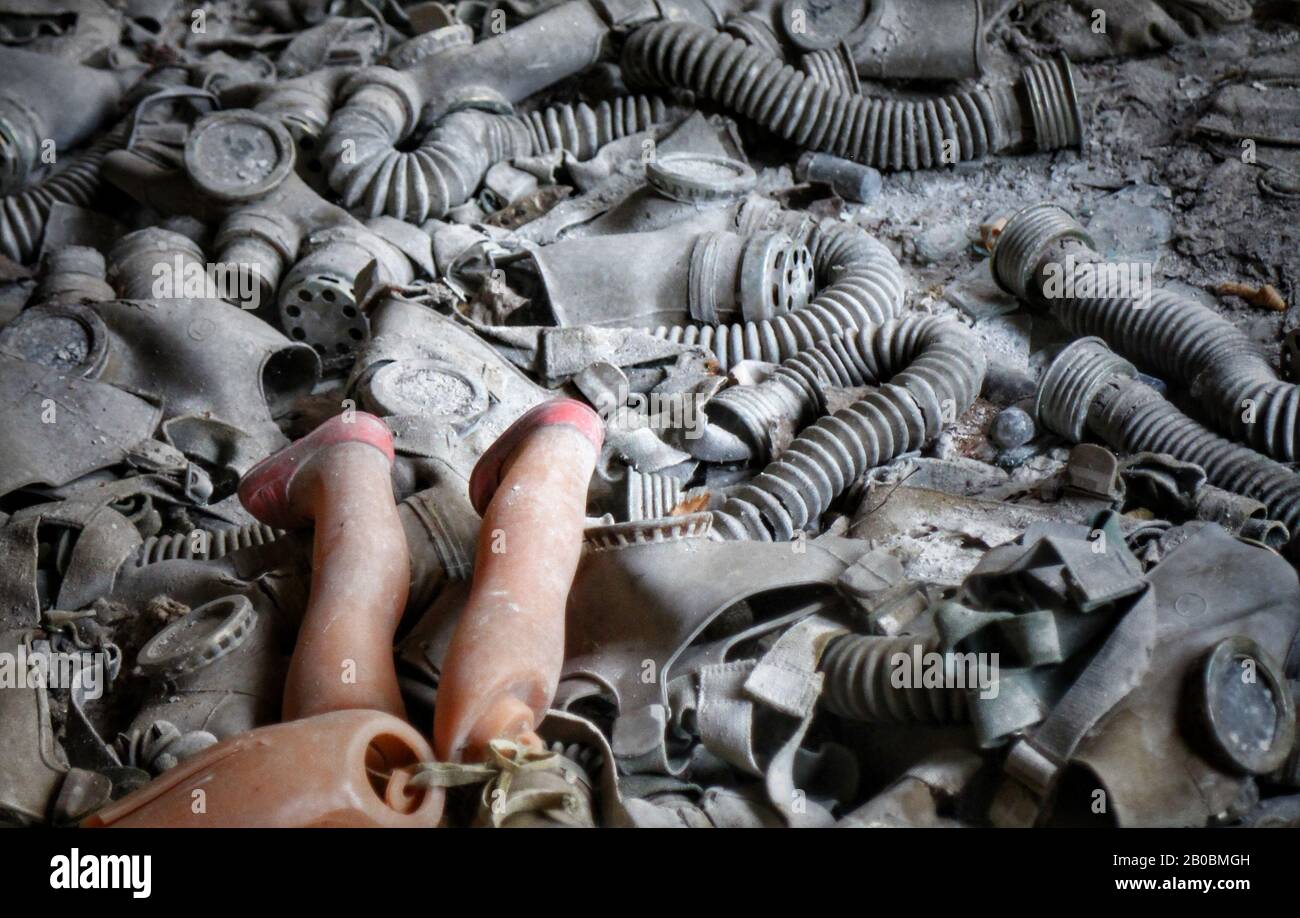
1090 388
795 392
934 368
859 686
650 495
23 215
832 68
861 284
1165 333
374 177
1042 109
211 545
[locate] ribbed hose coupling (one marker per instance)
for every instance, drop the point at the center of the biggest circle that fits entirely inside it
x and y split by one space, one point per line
934 368
1030 240
1089 386
1049 89
760 414
1073 381
1041 111
859 682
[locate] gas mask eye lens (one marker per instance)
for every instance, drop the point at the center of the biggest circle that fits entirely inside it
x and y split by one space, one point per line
1244 707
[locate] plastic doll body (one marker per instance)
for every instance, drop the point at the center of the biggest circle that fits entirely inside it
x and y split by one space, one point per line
504 660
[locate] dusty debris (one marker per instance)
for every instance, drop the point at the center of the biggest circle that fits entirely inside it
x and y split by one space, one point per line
530 207
1264 296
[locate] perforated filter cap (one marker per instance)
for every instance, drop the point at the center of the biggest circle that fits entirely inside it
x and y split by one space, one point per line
776 276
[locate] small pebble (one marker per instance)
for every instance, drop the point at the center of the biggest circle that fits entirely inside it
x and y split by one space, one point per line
1011 428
